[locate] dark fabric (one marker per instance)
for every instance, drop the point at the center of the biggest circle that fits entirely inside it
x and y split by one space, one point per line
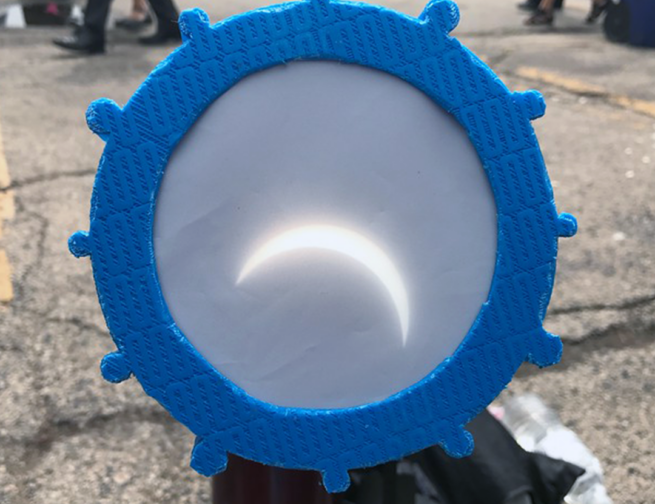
616 24
380 485
534 4
166 14
551 478
498 470
95 16
96 12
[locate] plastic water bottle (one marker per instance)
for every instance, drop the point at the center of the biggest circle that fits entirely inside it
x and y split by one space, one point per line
537 428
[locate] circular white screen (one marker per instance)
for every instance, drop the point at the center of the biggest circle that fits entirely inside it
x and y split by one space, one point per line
325 235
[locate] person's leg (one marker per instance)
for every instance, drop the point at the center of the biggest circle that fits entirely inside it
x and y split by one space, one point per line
533 5
167 27
139 10
529 5
137 19
139 6
597 8
544 15
90 37
547 5
95 16
166 14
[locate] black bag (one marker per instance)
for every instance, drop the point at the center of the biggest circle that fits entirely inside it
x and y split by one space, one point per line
498 472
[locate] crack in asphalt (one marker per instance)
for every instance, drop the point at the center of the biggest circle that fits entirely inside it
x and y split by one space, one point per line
617 101
48 177
614 337
41 235
62 429
79 324
493 61
624 305
56 431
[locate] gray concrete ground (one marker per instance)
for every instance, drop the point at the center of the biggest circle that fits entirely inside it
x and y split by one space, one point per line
66 436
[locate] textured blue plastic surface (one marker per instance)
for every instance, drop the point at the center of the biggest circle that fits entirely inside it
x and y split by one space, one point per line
141 137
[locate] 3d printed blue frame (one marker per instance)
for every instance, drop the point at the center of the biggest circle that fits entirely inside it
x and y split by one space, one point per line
140 139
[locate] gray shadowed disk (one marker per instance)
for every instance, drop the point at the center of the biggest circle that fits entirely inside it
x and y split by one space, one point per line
325 235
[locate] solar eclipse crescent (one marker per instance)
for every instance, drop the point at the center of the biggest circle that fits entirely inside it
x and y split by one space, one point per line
343 241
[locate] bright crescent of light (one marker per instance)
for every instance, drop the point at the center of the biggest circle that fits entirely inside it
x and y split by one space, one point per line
346 242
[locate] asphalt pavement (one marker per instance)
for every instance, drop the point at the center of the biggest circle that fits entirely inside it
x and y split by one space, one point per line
67 436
